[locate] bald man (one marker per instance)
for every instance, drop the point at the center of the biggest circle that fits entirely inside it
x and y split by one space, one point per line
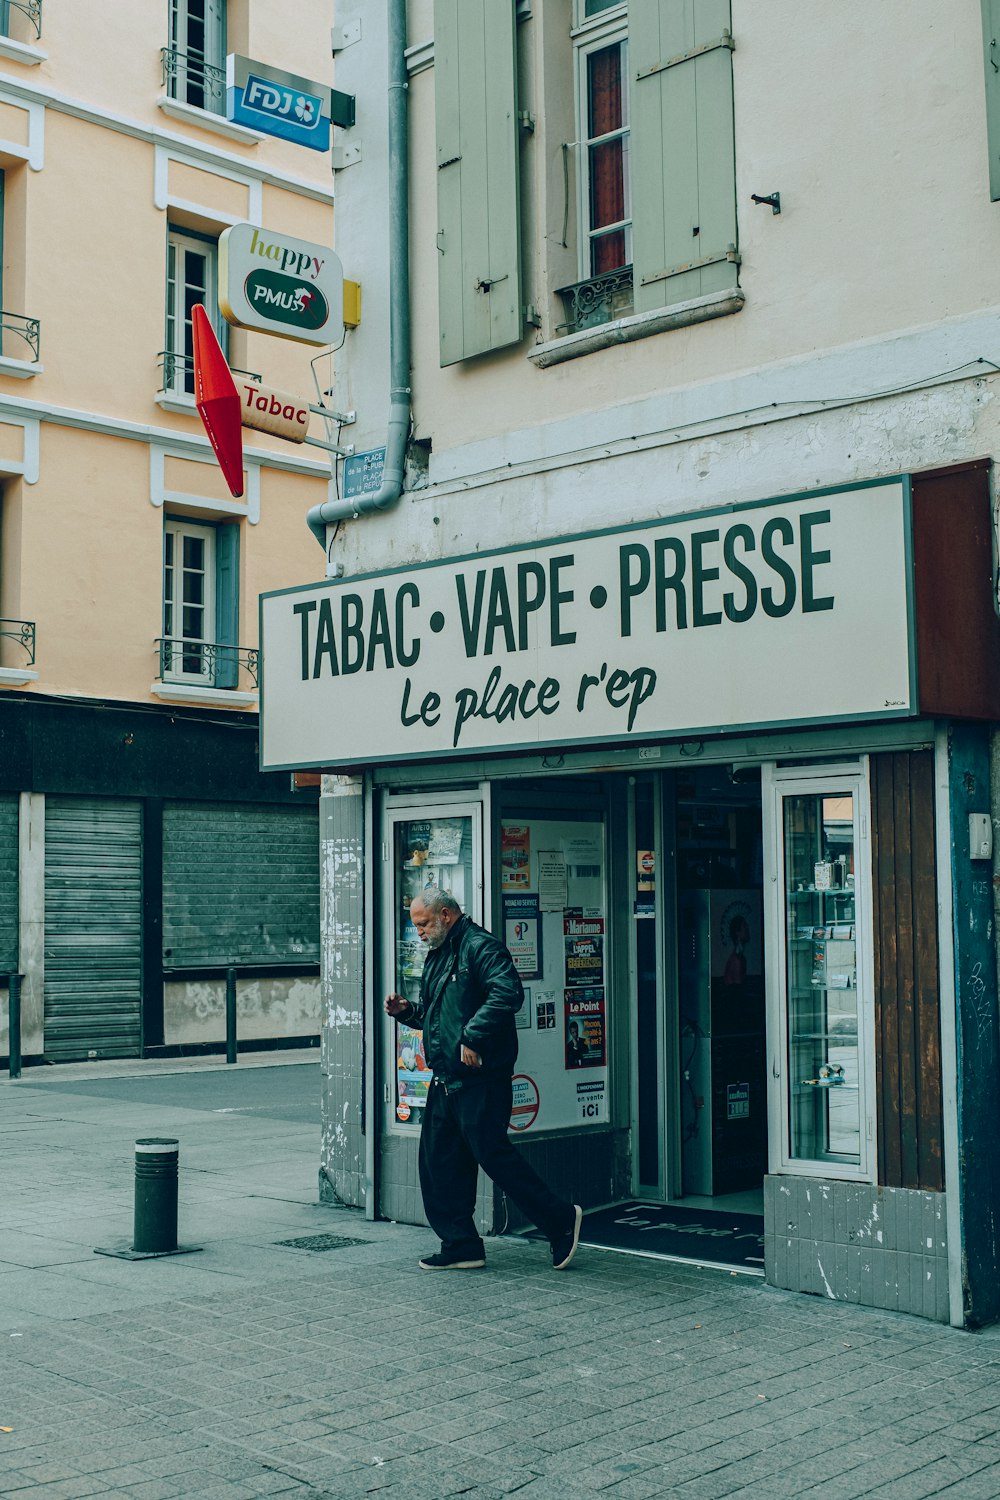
470 992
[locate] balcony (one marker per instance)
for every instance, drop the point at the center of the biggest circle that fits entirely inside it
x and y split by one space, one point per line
30 9
601 299
191 670
20 343
17 662
189 79
176 392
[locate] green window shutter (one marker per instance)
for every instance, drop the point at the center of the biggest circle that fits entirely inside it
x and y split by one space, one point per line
227 604
683 154
991 48
475 90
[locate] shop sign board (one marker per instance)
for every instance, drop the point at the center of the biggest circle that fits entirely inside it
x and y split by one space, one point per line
794 611
274 283
278 103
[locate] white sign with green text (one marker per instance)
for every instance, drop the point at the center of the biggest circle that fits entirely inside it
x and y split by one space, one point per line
788 612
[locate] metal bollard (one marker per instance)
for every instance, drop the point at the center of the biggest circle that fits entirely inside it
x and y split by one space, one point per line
155 1224
14 1025
230 1015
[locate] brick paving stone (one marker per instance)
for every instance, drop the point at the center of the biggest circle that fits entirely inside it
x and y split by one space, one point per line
627 1379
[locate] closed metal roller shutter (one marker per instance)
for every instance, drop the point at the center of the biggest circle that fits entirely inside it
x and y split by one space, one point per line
93 927
8 883
240 885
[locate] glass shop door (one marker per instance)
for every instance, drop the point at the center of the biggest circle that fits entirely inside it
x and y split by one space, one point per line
820 986
427 841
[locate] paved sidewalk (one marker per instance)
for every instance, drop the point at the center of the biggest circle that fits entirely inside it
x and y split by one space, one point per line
256 1369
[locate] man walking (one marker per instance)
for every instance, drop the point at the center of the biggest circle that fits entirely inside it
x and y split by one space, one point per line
469 993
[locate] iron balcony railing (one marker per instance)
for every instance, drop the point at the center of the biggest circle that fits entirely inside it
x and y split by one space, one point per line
601 299
21 631
30 8
205 664
189 78
17 326
177 372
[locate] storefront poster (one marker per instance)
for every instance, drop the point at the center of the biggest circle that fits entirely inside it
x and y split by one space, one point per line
586 1045
523 933
583 938
445 844
413 1076
545 1013
515 857
590 1097
526 1101
584 852
553 891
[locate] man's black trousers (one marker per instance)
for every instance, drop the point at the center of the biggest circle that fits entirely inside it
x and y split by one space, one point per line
464 1129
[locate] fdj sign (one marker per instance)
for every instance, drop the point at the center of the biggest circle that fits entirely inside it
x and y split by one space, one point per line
277 284
278 103
749 617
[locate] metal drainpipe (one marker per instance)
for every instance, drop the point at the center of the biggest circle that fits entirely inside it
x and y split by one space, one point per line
398 433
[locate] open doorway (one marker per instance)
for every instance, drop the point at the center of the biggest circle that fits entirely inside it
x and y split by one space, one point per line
699 1080
721 1114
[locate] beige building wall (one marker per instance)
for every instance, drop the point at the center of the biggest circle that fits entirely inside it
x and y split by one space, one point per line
97 450
85 253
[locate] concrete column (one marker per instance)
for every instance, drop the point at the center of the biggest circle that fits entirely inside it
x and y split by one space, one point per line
31 922
342 948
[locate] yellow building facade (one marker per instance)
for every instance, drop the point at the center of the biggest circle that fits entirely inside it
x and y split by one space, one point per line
141 852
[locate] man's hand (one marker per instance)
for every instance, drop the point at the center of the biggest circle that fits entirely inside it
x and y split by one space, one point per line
396 1004
471 1059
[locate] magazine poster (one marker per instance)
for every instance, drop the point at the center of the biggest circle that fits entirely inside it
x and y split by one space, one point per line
515 856
583 938
523 933
445 843
586 1045
413 1076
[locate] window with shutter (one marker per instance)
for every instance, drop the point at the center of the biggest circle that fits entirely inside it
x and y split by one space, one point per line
478 238
196 57
200 604
192 276
655 157
683 155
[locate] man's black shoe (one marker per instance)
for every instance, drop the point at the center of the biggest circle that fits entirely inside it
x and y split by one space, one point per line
445 1260
564 1245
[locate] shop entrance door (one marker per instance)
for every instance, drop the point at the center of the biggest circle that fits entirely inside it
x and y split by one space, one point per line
699 1058
721 1073
434 839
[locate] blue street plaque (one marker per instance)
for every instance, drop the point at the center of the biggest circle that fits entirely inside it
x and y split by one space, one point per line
277 103
363 473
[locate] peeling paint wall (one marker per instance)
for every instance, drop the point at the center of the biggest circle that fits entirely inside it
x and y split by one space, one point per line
195 1010
850 1242
342 1152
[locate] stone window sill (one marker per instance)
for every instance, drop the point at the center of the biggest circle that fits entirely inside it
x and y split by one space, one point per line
21 52
220 697
20 369
206 120
16 677
177 401
637 326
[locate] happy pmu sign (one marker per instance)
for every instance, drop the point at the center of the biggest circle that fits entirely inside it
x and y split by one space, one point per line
788 612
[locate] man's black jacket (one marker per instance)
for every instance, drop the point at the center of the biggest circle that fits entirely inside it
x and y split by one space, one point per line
469 993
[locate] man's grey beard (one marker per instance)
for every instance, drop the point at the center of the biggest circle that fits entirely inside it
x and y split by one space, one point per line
435 939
